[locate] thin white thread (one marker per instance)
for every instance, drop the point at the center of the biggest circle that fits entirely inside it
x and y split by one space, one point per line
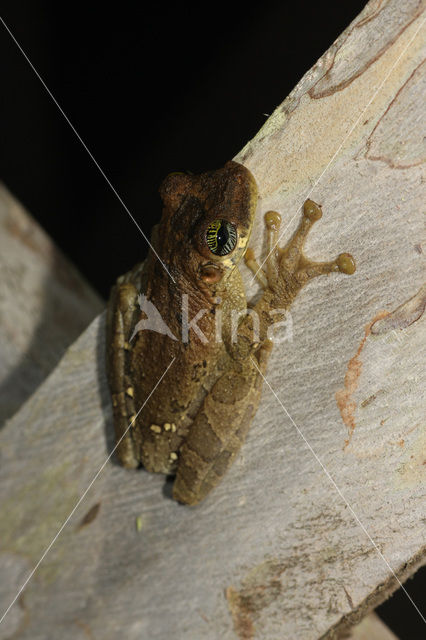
343 142
85 146
329 476
46 551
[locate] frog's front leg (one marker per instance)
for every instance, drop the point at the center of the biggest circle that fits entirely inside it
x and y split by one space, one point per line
122 316
220 428
287 268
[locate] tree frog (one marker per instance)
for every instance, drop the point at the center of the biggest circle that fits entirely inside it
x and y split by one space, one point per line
197 417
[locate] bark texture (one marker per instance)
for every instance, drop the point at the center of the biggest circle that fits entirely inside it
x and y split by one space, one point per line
326 503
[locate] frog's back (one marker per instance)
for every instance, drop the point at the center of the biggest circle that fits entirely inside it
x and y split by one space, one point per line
159 379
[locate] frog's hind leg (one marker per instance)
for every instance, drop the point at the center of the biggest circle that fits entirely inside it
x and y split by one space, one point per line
209 450
121 320
219 430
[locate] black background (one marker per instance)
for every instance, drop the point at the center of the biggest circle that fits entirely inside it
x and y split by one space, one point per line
150 89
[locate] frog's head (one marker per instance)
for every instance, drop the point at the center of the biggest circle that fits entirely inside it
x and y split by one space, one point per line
207 220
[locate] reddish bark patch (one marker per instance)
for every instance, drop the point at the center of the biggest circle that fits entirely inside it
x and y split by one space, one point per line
344 399
260 588
241 615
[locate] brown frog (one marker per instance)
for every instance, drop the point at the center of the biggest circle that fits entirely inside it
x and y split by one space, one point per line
196 419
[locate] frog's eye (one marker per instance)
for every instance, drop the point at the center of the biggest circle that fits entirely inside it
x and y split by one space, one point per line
221 237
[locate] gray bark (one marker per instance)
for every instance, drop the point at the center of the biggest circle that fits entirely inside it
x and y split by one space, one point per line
325 508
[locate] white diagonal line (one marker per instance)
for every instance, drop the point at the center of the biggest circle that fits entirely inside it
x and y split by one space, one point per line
333 482
111 186
343 142
46 551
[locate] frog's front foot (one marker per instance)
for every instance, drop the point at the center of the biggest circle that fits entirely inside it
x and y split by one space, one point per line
287 268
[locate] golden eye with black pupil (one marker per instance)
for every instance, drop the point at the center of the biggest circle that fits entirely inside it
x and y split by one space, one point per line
221 237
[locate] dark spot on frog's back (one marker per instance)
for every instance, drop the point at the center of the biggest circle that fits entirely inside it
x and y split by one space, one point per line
198 372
